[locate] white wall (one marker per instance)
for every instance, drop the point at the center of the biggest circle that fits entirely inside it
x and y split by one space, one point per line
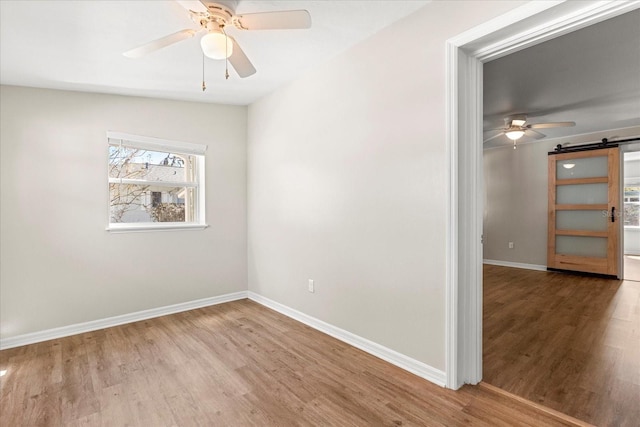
515 206
632 176
59 265
347 175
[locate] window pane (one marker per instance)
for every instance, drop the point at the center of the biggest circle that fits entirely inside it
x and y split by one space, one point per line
582 168
631 206
582 246
133 203
582 194
632 214
582 220
135 163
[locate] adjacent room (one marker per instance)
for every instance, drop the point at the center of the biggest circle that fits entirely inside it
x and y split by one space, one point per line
226 212
565 340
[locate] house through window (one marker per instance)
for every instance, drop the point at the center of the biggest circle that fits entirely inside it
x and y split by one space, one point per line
154 184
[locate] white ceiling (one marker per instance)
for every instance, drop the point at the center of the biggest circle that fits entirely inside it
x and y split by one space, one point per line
78 45
590 76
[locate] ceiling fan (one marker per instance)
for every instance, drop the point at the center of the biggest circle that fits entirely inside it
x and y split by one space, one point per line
214 17
515 127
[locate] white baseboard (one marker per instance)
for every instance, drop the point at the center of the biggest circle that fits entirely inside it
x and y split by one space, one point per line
94 325
414 366
515 264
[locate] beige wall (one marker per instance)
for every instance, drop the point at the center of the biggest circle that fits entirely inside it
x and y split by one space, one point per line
347 185
515 203
59 265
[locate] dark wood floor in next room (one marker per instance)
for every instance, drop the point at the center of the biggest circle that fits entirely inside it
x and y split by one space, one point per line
571 343
234 364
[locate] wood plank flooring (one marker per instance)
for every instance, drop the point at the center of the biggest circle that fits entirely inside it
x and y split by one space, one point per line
234 364
571 343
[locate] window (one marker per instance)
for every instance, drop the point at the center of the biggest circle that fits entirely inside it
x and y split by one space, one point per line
154 184
632 206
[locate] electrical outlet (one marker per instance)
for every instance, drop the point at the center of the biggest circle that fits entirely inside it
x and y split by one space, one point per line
311 286
510 245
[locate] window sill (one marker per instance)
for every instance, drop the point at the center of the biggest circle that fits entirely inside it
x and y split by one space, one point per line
632 227
133 228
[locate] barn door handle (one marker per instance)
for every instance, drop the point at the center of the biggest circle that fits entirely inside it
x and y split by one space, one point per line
613 214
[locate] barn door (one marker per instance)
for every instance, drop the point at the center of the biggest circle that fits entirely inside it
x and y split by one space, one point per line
584 211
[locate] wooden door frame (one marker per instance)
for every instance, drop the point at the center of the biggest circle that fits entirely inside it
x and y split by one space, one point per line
465 55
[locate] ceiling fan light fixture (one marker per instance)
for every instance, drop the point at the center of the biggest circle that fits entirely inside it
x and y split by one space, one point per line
514 134
216 45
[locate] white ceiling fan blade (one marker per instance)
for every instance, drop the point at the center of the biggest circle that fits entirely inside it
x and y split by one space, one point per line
285 20
493 137
533 134
240 62
160 43
192 5
551 125
494 130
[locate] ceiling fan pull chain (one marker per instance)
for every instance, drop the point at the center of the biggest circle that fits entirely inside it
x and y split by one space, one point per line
226 57
204 86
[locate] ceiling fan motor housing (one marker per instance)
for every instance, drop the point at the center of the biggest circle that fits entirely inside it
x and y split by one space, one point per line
515 120
216 17
220 13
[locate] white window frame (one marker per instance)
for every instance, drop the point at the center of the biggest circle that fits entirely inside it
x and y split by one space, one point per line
162 145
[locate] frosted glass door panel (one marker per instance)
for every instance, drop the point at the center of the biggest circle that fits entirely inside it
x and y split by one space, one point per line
582 168
583 194
582 246
582 220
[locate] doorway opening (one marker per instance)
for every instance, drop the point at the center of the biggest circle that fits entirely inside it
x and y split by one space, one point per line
466 55
525 26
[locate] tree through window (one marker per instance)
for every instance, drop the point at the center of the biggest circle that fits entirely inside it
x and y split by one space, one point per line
154 181
632 206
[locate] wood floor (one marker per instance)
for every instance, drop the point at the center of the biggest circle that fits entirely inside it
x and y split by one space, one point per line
235 364
569 342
